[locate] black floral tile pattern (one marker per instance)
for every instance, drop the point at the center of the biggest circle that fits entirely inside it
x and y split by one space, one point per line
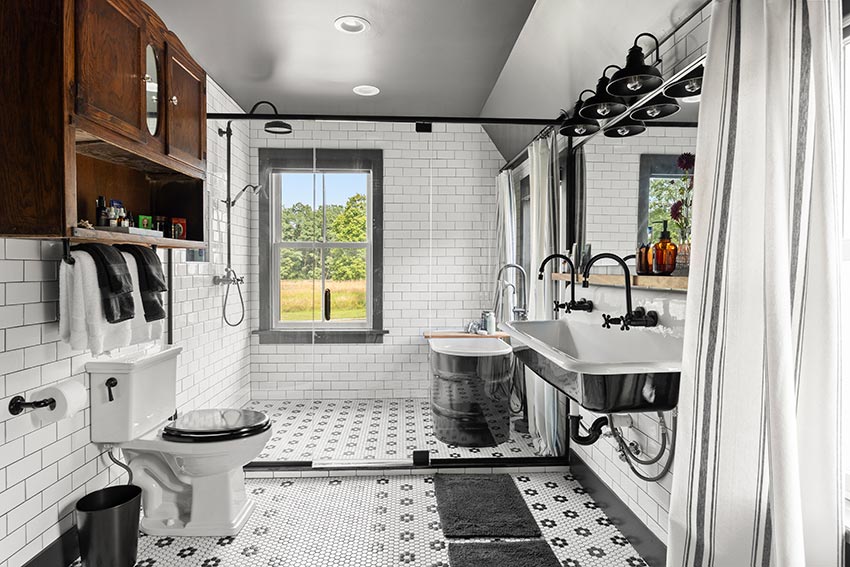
337 430
382 521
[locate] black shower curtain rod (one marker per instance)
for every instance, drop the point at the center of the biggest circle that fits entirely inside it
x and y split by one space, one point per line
386 118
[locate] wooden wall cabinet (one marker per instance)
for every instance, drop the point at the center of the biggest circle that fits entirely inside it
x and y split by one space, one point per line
85 110
110 65
185 104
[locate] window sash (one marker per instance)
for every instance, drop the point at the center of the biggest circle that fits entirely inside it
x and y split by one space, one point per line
323 247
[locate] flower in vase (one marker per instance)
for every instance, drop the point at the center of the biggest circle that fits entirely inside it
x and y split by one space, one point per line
676 211
686 161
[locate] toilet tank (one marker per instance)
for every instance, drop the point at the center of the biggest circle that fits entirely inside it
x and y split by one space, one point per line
143 396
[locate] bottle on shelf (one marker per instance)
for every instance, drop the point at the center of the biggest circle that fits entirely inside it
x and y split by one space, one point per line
643 258
100 217
664 253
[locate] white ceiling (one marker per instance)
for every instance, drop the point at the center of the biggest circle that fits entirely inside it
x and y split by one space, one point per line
428 57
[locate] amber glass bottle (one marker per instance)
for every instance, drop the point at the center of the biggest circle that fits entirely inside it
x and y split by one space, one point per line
664 254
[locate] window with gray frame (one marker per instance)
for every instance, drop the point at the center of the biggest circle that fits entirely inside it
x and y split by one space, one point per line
321 246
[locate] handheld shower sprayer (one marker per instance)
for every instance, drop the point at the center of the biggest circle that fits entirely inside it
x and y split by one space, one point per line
255 189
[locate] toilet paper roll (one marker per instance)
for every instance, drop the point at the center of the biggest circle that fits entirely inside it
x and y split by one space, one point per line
70 397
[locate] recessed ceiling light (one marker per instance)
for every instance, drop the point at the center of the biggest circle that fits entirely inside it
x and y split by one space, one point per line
366 90
351 24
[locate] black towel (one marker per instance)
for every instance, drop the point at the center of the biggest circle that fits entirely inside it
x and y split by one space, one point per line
114 281
151 280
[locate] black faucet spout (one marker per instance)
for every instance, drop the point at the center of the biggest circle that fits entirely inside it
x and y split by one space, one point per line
569 263
626 272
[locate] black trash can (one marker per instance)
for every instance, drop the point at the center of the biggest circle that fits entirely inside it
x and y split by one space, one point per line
108 526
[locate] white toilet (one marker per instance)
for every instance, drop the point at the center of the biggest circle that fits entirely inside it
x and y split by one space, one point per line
190 469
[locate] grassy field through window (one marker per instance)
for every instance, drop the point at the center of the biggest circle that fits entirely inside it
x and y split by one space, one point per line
301 300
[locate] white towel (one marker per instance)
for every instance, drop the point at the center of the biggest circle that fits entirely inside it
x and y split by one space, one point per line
141 330
84 324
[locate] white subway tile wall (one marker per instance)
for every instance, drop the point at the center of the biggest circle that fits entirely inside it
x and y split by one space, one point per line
44 470
439 233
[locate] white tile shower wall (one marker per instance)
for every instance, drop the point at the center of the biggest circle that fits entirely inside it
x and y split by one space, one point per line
44 470
613 170
439 229
650 501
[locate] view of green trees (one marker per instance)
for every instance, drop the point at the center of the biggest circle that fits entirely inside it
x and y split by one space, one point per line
345 223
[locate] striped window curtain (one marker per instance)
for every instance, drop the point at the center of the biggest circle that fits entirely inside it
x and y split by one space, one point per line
757 472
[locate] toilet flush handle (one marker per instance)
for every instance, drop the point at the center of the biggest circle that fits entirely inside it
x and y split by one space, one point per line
111 383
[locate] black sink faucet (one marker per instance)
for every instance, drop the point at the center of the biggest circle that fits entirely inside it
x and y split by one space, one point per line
572 304
638 317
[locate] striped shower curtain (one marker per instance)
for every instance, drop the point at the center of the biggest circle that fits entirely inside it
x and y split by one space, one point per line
757 473
542 398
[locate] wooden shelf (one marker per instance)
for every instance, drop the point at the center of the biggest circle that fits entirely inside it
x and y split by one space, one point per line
674 283
81 235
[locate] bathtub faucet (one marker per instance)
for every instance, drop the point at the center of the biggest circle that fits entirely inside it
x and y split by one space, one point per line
521 309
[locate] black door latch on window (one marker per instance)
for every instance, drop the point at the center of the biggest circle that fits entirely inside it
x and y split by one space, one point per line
328 304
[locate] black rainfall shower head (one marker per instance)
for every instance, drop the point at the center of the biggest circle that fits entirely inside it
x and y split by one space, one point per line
276 127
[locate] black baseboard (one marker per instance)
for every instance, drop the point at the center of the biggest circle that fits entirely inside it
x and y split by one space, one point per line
653 551
434 463
61 553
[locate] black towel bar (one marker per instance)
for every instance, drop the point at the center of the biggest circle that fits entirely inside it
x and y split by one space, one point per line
66 251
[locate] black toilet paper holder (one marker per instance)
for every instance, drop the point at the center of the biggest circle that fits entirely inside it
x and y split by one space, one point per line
19 403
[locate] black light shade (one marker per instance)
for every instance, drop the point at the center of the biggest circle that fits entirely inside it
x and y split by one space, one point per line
625 128
577 125
636 78
659 107
278 127
687 86
603 106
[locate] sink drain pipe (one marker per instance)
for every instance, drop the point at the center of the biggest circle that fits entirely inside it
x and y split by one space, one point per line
593 433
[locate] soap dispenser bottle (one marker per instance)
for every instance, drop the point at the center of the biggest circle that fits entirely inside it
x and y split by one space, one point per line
664 253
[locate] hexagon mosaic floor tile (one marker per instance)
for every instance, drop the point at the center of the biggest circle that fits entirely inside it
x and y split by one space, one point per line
381 430
384 522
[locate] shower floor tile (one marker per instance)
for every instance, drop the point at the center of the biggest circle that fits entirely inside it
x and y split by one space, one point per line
365 430
386 521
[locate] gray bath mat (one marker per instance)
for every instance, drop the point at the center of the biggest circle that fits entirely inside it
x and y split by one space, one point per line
533 553
482 505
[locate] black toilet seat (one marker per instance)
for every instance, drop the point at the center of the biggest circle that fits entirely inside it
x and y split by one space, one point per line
211 425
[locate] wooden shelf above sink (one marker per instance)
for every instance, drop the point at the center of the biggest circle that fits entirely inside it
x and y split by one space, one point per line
669 283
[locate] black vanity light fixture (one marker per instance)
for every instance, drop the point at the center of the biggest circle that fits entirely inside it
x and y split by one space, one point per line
603 105
637 78
660 106
688 86
624 128
276 127
577 125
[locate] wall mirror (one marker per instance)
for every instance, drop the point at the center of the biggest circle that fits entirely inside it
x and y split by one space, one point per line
151 90
633 181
